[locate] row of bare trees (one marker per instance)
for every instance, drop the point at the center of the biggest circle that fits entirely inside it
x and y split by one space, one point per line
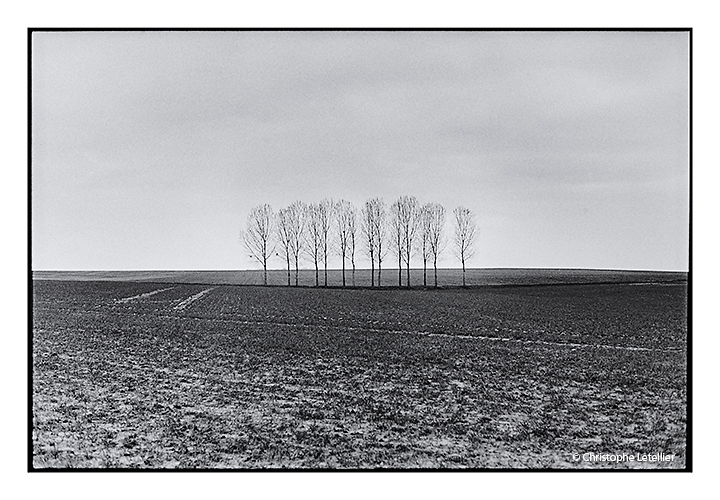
316 231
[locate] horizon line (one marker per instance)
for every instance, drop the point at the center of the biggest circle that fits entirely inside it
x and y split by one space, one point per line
368 269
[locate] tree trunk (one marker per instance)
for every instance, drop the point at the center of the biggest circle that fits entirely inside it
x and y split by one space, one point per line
265 274
424 271
343 271
297 271
288 268
372 273
317 275
379 273
463 264
408 261
435 266
399 269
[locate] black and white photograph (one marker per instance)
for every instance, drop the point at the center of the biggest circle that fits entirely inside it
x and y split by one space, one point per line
359 249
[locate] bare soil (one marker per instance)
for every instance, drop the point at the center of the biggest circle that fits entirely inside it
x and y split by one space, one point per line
266 377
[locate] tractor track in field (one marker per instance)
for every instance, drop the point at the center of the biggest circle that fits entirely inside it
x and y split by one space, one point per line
182 305
142 295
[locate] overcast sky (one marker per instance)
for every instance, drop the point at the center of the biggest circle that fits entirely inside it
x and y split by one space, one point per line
149 149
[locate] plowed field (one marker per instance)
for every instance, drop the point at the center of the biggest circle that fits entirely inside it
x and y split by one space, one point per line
167 375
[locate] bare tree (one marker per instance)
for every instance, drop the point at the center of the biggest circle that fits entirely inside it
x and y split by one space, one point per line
436 223
284 232
396 236
432 221
380 228
425 238
313 237
324 214
465 235
368 229
373 225
293 221
352 229
345 219
404 222
258 235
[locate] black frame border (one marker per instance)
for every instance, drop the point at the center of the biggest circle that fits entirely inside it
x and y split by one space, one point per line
689 429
